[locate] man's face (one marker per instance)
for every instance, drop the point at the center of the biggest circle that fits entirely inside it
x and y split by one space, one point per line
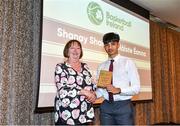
112 48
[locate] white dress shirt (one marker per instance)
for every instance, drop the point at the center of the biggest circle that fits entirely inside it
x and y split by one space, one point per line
125 77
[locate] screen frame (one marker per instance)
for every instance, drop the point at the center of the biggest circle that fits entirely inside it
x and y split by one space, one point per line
127 4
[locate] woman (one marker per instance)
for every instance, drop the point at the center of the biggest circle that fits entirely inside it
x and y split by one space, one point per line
75 91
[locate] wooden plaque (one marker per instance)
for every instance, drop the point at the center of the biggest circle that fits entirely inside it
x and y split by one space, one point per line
105 78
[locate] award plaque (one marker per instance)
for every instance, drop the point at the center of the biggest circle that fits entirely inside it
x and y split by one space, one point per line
105 78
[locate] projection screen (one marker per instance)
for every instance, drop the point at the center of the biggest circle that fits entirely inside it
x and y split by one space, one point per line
87 21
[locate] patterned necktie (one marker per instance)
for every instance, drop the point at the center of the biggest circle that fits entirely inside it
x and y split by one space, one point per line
110 93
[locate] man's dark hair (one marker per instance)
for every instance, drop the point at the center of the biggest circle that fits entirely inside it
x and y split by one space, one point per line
110 37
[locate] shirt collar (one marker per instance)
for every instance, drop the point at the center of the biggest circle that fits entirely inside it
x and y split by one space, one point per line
115 58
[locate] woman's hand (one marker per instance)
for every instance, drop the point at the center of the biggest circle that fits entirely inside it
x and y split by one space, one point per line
90 95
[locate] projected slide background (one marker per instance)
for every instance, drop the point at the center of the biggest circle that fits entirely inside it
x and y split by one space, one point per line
87 21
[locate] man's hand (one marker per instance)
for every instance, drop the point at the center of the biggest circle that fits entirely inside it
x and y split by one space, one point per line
114 90
90 95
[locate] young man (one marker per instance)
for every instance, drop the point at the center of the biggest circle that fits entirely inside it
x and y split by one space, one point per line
117 108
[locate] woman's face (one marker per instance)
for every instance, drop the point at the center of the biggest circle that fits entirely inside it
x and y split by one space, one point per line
74 51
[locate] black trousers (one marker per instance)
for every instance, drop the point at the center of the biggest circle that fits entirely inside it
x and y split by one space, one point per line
117 113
